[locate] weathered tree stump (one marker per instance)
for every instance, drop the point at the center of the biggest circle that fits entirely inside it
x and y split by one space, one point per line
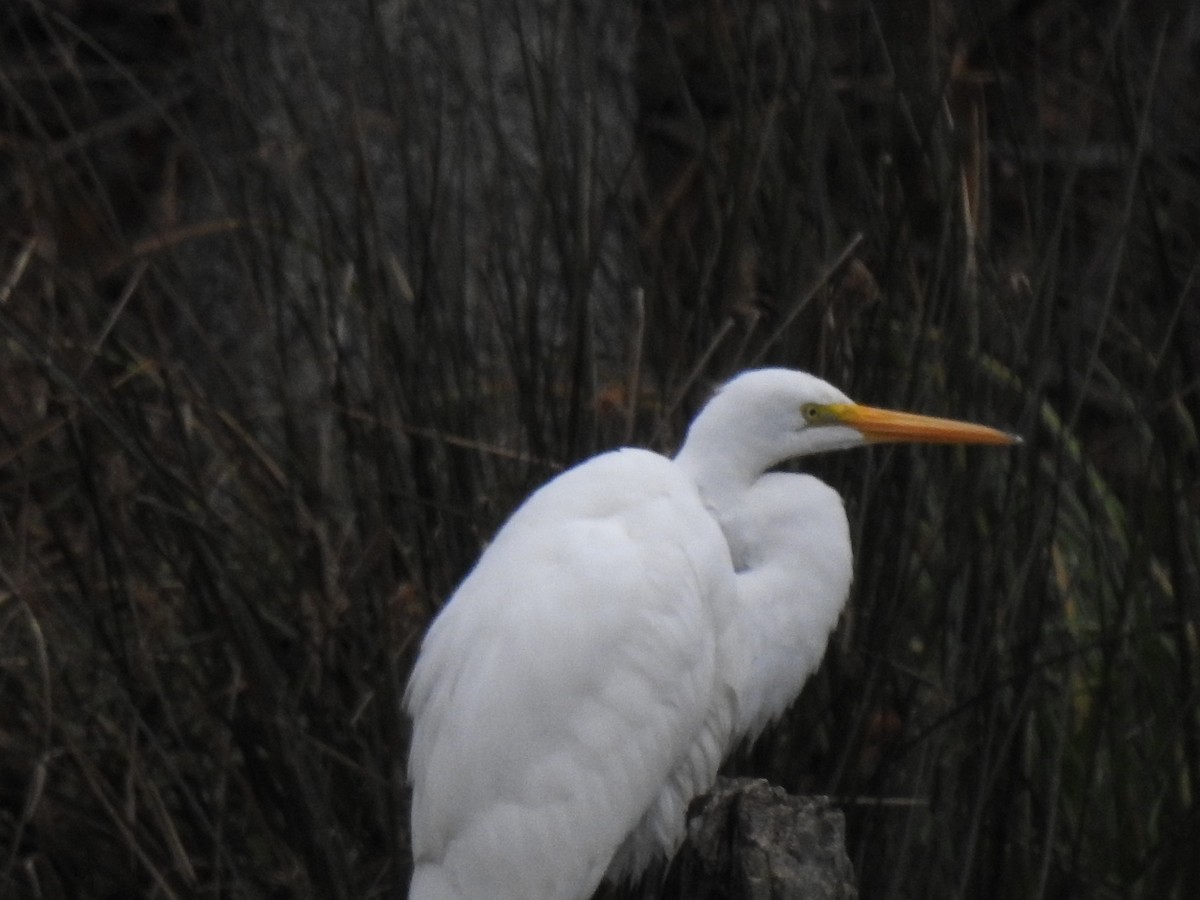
750 840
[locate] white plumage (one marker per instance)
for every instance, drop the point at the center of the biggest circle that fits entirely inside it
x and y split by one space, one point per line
632 620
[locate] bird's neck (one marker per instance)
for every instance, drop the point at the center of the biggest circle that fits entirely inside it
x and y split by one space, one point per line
723 477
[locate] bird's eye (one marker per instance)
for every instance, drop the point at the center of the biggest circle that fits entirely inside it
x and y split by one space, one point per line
813 413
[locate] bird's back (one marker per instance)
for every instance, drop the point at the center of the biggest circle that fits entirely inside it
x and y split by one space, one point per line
567 681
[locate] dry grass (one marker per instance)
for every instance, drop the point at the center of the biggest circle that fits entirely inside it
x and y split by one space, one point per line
286 334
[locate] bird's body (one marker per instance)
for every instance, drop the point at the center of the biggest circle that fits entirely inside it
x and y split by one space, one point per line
632 620
533 735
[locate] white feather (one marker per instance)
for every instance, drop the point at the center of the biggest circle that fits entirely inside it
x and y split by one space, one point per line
566 682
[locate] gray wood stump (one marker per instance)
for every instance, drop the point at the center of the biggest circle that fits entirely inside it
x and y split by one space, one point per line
752 841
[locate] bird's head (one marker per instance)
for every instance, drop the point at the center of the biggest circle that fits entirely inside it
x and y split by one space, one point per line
764 416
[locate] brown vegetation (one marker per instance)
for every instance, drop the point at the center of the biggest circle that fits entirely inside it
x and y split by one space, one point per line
297 301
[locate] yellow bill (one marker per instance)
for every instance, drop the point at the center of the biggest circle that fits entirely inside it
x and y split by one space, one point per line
885 425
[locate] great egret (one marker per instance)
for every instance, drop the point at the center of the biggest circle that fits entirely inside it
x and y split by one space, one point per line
632 621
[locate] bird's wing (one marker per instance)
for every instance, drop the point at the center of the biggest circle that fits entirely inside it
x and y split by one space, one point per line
566 680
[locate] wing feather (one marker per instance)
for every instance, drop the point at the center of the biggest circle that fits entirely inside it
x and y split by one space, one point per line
567 680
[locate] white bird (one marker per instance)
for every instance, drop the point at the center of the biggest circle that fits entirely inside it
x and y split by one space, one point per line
631 622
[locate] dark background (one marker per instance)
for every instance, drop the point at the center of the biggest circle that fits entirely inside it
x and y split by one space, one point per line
298 300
